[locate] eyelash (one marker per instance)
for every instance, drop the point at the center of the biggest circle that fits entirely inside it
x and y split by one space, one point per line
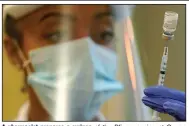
54 37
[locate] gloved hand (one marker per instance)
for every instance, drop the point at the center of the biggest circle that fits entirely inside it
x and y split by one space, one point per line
166 100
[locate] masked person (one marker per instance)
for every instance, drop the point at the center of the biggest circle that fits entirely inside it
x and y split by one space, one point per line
66 54
65 51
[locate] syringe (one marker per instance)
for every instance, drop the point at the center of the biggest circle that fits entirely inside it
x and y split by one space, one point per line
169 26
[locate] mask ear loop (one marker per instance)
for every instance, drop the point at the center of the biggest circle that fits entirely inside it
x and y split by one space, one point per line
12 30
25 64
23 58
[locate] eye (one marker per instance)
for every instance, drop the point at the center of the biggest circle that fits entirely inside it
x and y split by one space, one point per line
54 37
107 36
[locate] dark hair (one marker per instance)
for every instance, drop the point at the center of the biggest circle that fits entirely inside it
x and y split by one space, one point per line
11 29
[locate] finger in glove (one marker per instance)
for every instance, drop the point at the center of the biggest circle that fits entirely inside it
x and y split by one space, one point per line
164 92
157 103
176 109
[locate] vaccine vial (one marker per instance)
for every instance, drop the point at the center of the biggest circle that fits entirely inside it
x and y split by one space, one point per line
170 22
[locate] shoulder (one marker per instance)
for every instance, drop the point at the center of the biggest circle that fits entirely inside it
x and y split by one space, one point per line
23 112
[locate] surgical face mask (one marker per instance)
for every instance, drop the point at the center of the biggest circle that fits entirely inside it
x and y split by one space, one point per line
72 80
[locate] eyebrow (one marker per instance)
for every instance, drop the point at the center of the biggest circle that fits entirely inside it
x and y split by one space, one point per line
57 15
103 14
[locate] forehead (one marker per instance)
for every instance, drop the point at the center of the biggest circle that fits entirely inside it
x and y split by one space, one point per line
82 12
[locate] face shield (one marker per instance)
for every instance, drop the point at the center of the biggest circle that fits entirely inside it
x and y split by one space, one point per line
82 61
130 71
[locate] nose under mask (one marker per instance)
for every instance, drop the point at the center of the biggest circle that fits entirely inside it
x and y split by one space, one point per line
72 80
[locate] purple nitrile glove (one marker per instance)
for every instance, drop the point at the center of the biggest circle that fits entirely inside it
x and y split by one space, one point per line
166 100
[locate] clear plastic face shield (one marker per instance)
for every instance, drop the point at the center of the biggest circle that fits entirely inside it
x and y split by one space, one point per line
81 62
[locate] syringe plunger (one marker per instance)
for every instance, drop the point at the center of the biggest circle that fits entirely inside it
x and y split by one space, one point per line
170 24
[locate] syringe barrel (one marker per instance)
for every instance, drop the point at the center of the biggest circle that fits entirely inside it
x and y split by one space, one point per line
162 70
170 22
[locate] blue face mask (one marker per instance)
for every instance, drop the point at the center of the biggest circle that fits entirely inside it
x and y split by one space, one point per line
72 80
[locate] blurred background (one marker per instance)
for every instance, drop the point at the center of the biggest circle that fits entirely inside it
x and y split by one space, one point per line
147 23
